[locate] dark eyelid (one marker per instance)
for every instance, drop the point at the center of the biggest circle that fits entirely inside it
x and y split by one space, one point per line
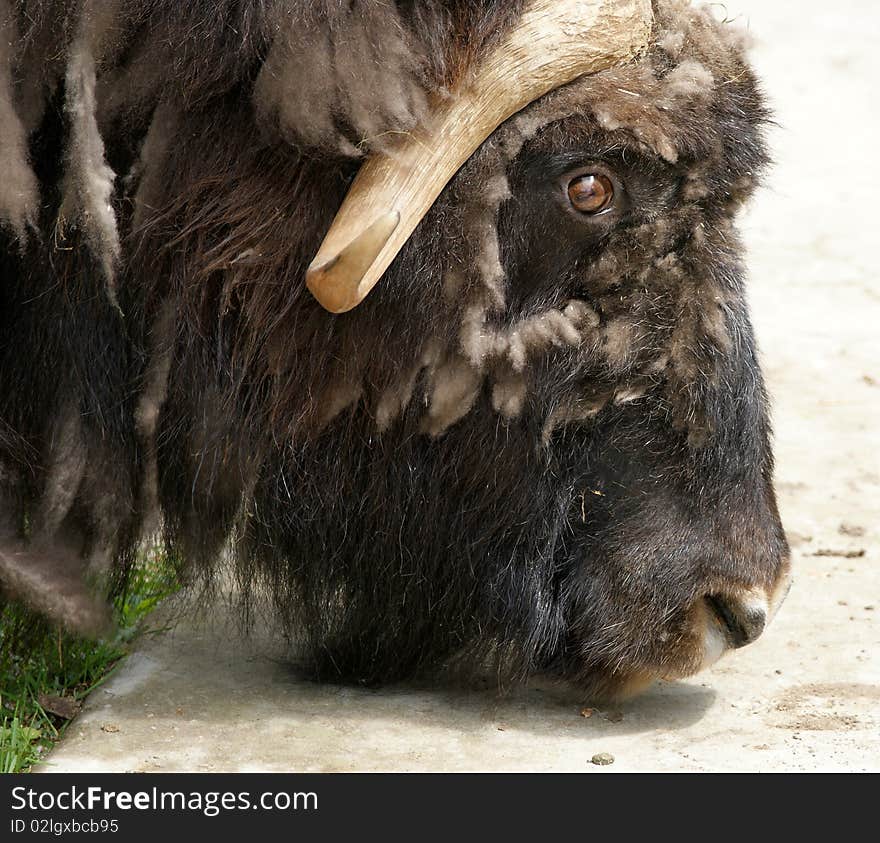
585 166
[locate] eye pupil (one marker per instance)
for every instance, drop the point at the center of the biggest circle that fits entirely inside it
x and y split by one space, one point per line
590 193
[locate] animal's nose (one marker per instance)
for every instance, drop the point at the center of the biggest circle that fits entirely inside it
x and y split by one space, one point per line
742 620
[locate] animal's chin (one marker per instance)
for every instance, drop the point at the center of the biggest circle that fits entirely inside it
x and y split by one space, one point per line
623 684
718 623
619 686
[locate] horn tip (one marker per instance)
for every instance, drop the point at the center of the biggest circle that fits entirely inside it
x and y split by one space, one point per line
342 281
329 295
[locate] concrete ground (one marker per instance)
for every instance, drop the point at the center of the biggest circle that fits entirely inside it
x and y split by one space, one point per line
806 696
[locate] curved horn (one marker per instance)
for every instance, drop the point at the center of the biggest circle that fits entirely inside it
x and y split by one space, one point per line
555 42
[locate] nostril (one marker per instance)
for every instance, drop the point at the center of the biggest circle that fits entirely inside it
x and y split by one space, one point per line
742 621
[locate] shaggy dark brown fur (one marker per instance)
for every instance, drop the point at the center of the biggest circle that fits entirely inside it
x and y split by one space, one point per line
541 440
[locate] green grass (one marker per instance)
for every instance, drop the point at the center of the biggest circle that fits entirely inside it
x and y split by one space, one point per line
37 660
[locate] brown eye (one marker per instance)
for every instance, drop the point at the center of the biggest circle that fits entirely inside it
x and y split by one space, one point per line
591 193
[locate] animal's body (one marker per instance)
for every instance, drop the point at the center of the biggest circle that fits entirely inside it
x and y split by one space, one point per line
542 439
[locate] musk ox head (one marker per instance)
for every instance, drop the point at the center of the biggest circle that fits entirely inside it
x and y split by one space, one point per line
541 442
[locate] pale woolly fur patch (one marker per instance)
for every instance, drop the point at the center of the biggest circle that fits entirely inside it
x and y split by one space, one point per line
336 398
18 185
455 385
394 401
147 170
690 80
355 65
65 466
89 181
160 350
